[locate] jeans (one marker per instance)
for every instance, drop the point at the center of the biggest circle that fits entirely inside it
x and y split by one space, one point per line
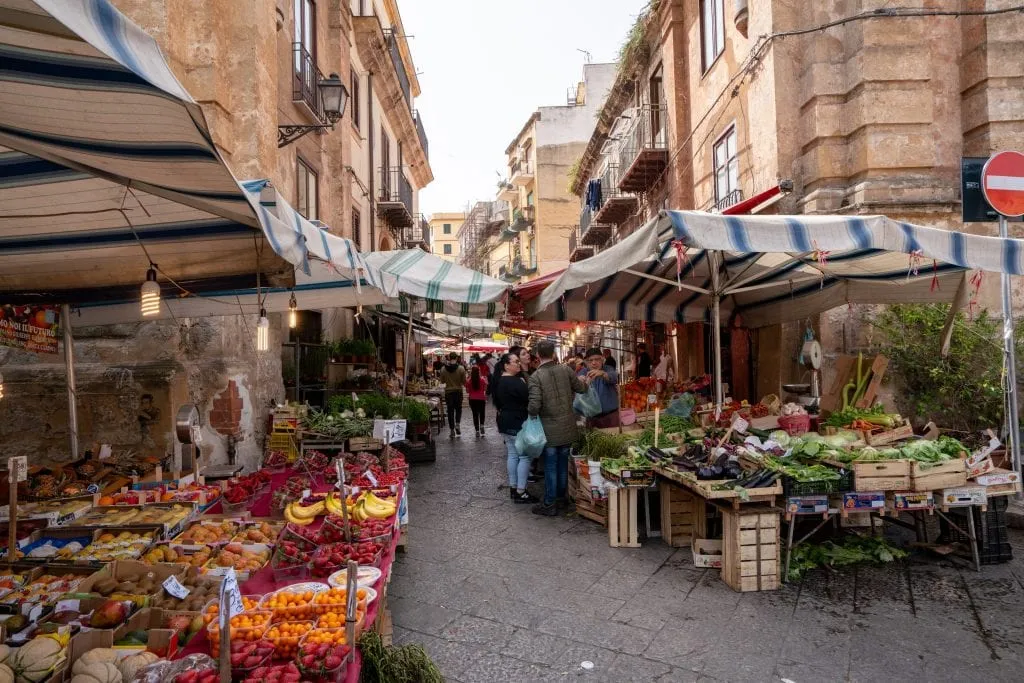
453 399
556 473
478 407
518 465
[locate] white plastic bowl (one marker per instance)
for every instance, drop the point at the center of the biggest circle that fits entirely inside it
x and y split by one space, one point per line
366 578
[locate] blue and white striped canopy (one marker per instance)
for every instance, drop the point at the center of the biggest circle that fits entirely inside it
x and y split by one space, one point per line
770 269
422 275
101 148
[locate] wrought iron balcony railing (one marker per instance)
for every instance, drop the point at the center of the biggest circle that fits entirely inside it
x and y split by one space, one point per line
305 81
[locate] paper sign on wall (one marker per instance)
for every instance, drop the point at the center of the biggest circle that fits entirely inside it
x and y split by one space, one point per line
389 431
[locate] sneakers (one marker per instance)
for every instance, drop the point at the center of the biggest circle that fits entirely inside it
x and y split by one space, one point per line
481 432
458 432
544 510
451 434
523 498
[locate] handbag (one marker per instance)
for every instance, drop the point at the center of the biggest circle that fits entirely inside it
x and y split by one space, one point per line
587 404
531 439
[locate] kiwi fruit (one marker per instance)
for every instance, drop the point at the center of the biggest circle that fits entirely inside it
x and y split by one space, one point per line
126 587
105 586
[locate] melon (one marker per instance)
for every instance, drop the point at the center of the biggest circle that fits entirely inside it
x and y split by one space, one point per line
129 666
96 656
98 672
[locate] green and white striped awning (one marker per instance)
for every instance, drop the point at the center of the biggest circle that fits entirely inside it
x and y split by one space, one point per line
492 310
422 275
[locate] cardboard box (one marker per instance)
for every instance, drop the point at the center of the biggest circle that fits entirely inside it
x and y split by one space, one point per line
873 500
980 466
806 505
964 496
998 476
162 641
122 568
913 500
707 552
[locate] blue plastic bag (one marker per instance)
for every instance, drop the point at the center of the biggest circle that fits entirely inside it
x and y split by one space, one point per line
588 404
531 439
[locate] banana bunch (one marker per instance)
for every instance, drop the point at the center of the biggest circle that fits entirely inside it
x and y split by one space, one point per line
375 507
334 504
303 515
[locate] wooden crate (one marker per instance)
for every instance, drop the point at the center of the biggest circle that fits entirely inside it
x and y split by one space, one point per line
946 475
623 511
751 548
881 475
594 510
357 444
677 514
904 431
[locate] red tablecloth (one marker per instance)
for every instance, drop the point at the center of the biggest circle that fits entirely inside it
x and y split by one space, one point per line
263 581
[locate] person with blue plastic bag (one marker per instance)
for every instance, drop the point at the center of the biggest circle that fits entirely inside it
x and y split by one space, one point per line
552 389
601 379
511 396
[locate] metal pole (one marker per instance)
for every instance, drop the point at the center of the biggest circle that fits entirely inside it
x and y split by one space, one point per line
716 327
1010 354
408 347
69 365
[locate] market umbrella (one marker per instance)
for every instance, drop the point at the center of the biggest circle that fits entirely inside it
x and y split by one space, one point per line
107 164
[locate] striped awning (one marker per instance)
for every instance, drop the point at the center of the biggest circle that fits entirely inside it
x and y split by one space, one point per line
770 269
405 305
101 151
419 274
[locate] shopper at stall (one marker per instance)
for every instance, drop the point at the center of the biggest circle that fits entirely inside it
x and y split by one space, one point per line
499 368
643 361
526 361
604 379
511 396
608 360
552 388
476 389
453 376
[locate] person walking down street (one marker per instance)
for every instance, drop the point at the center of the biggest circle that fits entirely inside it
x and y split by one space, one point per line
603 377
552 388
512 396
499 368
476 388
453 375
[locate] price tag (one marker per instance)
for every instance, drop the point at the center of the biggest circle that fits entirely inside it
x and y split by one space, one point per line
369 475
355 397
230 596
68 606
174 588
105 451
306 493
339 465
739 424
389 431
17 468
197 435
652 399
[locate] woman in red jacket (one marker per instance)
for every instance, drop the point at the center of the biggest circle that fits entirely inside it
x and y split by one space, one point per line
476 387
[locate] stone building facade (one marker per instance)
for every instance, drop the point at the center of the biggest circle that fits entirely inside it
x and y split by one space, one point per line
864 108
250 66
444 234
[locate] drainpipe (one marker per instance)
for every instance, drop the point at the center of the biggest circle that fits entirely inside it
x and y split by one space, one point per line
373 173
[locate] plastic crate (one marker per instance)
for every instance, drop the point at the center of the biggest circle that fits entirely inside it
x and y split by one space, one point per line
844 484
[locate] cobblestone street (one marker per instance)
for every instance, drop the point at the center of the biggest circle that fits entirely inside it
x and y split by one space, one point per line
495 593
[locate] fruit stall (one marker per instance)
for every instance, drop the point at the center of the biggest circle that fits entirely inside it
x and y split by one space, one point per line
129 586
737 495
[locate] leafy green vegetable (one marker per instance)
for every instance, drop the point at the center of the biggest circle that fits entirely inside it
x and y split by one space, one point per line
668 424
842 418
850 550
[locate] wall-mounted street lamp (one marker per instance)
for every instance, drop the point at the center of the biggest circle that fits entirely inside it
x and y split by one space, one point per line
333 98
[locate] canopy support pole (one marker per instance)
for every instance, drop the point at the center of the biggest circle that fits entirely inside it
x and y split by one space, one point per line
69 365
1010 360
407 353
954 307
716 328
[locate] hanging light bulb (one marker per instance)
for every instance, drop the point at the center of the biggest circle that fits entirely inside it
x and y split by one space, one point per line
150 294
263 332
579 330
293 312
1 386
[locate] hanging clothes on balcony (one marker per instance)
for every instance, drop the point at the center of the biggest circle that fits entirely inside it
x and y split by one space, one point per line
593 195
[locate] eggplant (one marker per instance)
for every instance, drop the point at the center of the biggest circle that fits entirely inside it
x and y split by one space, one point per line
713 472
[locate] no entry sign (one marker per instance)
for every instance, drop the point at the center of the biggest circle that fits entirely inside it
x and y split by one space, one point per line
1002 182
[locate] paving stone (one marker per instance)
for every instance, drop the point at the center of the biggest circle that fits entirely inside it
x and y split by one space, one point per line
514 612
630 668
419 616
592 631
568 664
617 584
450 657
470 629
576 602
490 667
535 647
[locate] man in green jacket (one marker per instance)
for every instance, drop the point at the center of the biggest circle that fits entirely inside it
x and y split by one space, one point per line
454 378
552 389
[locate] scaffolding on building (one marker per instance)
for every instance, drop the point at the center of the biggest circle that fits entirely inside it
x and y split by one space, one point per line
473 240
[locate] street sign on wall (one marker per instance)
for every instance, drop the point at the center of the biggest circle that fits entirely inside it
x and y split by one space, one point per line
1002 182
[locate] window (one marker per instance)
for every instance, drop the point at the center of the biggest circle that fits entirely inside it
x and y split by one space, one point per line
357 229
305 30
448 249
385 165
447 228
306 190
727 168
712 30
529 199
355 98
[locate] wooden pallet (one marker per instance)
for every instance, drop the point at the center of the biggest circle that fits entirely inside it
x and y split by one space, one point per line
707 491
750 548
623 529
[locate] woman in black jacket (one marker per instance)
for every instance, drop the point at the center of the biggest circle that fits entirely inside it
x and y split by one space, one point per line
511 397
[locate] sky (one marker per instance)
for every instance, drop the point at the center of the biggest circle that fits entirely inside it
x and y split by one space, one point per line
486 65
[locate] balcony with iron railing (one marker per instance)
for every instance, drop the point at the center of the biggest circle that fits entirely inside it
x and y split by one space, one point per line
592 233
498 218
421 133
394 198
522 218
614 205
643 154
731 199
522 172
416 236
305 82
507 191
505 274
577 250
521 268
391 40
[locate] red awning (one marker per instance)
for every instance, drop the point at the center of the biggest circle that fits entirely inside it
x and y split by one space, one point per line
532 288
754 203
